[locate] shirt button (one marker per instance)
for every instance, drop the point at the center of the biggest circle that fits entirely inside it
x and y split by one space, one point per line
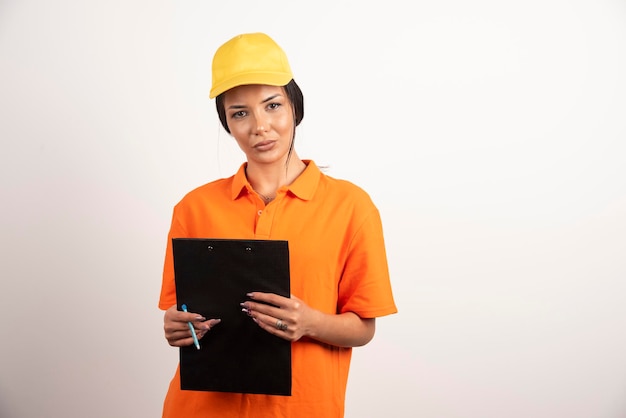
260 212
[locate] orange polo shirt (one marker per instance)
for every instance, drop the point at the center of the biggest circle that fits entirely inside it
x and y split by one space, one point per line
337 264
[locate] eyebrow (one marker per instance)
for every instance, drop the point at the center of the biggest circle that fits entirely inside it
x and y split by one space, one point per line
263 101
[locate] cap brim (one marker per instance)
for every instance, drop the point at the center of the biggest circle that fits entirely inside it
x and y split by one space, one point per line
270 79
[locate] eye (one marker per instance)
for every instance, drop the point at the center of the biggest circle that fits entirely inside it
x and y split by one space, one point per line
274 106
238 115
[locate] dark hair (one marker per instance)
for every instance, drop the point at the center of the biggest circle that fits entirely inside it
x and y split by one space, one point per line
294 94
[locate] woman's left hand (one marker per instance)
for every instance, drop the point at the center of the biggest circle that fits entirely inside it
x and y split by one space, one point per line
287 318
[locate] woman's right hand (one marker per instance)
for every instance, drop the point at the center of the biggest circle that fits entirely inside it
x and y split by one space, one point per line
177 332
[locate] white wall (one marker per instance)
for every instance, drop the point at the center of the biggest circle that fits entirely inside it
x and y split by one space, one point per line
492 135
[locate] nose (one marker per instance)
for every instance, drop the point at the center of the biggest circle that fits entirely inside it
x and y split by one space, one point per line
261 123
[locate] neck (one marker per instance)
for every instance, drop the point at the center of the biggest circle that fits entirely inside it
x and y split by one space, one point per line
267 179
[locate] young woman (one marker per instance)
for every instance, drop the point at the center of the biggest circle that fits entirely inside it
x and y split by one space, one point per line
338 267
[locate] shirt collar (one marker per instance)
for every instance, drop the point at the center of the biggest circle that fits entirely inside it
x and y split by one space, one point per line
303 187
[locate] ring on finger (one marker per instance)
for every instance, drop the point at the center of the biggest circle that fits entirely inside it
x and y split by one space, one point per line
280 325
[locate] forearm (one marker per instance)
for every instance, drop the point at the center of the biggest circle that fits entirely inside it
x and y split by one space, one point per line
342 330
292 319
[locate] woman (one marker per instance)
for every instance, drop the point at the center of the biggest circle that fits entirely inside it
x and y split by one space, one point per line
338 267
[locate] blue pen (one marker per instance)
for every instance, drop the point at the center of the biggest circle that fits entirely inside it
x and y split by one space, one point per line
193 331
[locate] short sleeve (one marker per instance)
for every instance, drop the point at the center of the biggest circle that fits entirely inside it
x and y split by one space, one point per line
168 287
365 286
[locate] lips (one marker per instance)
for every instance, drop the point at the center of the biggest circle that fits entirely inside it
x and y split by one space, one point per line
265 145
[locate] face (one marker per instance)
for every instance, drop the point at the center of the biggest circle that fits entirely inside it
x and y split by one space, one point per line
260 118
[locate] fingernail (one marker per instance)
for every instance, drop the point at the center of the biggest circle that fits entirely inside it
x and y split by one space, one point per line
200 318
208 327
250 295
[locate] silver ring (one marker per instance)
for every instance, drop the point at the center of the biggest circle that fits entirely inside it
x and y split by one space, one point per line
281 325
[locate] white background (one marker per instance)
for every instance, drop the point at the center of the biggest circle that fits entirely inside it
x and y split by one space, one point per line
491 135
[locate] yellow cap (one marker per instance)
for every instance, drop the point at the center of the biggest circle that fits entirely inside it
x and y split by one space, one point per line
250 58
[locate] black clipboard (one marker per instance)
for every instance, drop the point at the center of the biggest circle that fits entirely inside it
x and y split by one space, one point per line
212 278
